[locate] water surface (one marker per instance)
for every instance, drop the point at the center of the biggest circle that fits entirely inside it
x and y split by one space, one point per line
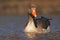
11 27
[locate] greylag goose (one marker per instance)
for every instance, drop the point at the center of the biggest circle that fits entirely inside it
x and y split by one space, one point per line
37 25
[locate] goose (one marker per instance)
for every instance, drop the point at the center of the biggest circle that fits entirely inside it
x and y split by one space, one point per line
37 25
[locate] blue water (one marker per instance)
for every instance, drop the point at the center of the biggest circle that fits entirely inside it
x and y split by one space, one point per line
15 24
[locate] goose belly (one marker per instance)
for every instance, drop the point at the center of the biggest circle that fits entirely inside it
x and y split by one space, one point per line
30 26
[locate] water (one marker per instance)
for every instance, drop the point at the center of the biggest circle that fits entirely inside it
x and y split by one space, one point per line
11 27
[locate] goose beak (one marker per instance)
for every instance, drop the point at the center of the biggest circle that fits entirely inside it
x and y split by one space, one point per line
34 12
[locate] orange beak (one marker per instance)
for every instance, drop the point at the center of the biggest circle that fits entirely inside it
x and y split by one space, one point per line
34 13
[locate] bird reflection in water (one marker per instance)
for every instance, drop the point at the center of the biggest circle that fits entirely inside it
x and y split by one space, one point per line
30 34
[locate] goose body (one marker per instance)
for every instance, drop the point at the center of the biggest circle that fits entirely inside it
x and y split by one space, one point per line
30 27
40 25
